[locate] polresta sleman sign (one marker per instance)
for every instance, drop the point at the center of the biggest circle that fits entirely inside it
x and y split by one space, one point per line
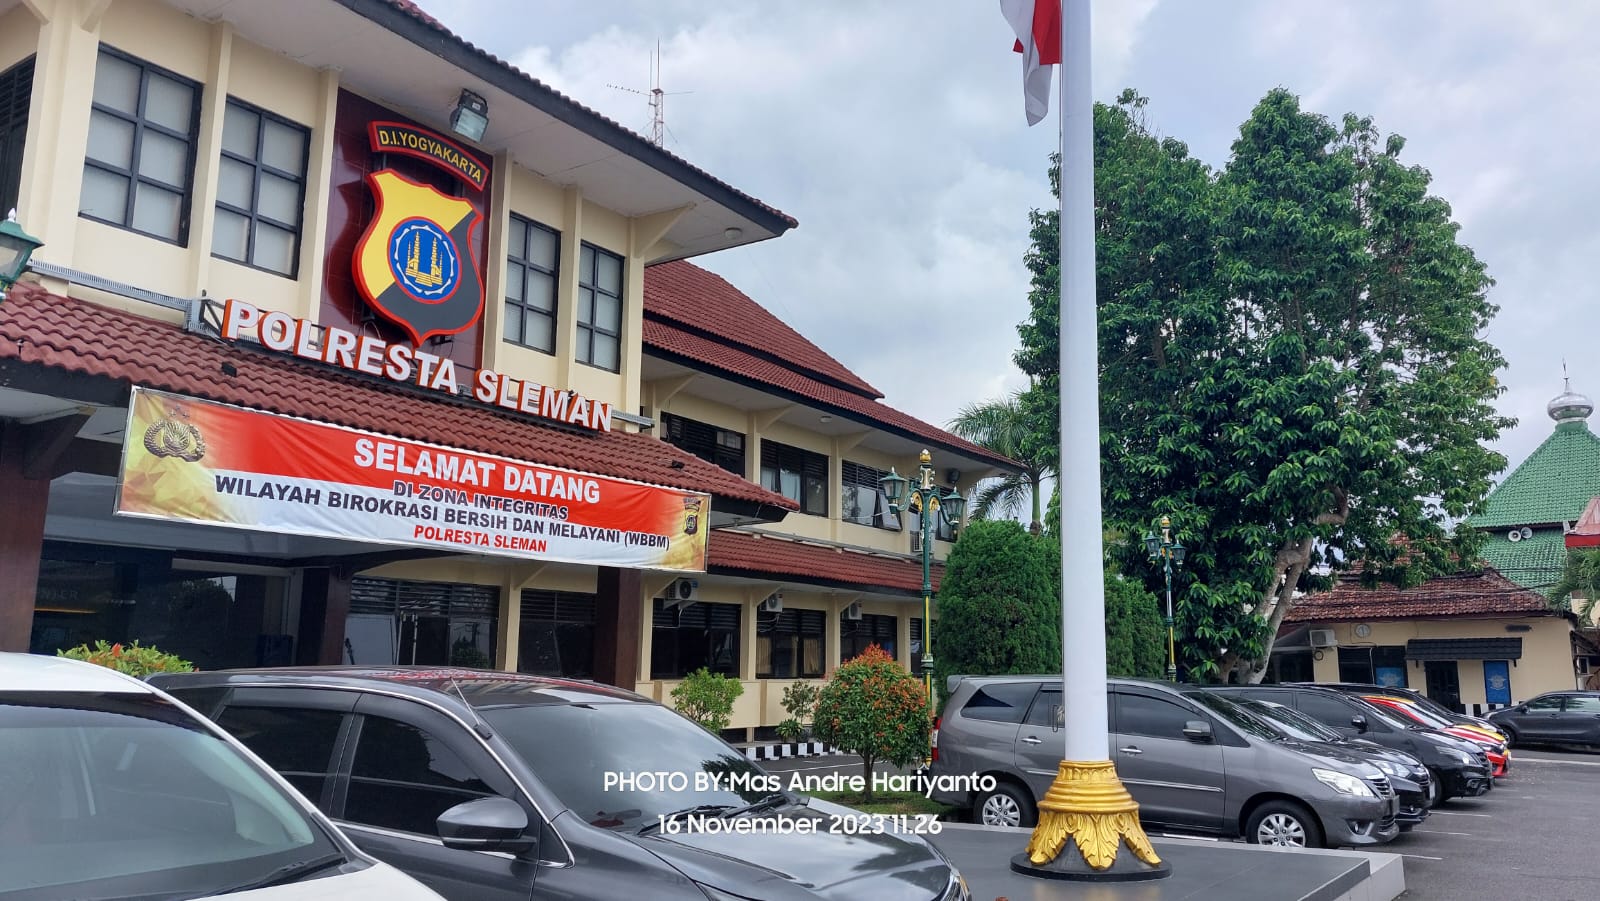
191 460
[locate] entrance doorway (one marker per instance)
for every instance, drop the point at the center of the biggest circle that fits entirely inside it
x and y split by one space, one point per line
1444 682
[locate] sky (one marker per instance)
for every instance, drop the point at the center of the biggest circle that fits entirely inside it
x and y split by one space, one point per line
894 132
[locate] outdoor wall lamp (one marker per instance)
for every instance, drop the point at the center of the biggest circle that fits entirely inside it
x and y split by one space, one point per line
470 117
16 246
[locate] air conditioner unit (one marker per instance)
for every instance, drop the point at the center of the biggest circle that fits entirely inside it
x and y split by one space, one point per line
1323 638
683 592
773 603
916 542
853 611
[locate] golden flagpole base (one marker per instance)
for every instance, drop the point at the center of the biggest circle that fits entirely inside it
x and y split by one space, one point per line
1088 805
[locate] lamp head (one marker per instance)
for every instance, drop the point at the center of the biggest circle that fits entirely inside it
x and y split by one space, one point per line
470 117
954 506
1178 551
16 246
1152 545
894 487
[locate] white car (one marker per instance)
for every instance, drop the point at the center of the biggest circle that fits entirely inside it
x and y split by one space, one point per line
112 789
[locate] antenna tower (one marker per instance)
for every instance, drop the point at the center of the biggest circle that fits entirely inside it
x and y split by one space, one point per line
658 108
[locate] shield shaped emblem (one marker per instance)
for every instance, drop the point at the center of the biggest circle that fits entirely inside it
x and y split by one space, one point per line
415 264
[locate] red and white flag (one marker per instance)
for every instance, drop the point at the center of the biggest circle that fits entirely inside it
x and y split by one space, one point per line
1037 24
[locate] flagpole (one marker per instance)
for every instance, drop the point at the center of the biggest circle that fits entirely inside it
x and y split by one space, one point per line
1087 805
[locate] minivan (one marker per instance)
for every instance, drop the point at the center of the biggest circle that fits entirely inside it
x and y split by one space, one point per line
1192 760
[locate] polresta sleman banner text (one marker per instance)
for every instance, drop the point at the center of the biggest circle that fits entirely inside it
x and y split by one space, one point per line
191 460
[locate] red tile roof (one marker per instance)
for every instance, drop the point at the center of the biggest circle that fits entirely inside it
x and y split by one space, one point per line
62 333
1587 532
1482 593
704 301
743 553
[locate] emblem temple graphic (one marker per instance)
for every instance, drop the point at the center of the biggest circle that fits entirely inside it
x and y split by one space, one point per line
415 264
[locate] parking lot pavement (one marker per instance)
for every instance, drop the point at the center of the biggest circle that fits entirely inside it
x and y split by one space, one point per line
1530 839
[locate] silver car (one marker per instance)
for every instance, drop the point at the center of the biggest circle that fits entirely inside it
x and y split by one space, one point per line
1192 759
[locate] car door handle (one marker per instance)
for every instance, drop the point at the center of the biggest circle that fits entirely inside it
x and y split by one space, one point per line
1030 740
1130 749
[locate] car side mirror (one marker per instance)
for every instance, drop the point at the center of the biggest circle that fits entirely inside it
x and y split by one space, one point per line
1522 708
1197 731
487 824
1360 722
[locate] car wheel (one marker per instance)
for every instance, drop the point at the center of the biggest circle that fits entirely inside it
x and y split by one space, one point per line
1005 805
1284 824
1511 736
1436 795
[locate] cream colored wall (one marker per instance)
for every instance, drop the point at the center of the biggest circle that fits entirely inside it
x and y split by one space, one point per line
1546 663
19 36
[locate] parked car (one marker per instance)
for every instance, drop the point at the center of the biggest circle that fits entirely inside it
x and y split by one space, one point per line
1460 769
1422 700
1561 717
1410 779
1192 759
1493 743
492 786
110 789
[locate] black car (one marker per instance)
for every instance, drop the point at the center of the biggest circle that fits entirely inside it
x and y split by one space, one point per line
491 786
1413 787
1560 717
1458 768
1407 694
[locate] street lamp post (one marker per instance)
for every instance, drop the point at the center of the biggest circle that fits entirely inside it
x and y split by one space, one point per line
923 498
1169 553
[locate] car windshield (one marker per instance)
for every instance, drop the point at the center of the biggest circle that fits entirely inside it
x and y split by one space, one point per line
1426 717
1377 713
1291 722
622 765
126 796
1236 716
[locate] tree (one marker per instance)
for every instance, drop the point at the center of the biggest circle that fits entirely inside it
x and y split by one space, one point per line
1581 576
1003 426
1290 364
875 709
1136 632
999 604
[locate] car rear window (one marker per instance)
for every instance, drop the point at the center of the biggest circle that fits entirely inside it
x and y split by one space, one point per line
1005 702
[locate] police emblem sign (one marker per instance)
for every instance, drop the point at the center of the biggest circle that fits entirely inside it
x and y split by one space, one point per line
415 264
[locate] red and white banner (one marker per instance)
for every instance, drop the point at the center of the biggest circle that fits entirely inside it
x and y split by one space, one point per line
191 460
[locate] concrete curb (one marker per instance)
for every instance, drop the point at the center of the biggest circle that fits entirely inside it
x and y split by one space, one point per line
783 750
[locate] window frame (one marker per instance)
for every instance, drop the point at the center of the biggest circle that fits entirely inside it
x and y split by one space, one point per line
705 441
257 166
140 125
16 90
800 460
664 653
853 475
519 257
794 626
869 627
588 280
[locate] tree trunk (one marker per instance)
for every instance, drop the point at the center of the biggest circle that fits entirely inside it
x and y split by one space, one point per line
1287 567
866 766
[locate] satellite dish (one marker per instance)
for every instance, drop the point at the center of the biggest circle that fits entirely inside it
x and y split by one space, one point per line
1514 534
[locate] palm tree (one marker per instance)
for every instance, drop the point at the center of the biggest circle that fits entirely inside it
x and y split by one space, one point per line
1581 576
1003 427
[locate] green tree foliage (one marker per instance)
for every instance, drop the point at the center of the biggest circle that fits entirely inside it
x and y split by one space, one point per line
1004 427
1136 633
131 659
1291 364
1581 576
999 604
707 698
876 709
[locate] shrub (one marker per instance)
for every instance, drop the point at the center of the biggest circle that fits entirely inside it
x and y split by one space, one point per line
789 729
132 659
1136 633
707 698
999 604
466 654
876 709
800 701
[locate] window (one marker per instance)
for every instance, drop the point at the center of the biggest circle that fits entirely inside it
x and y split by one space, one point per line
599 308
403 778
709 443
297 743
532 256
684 639
1151 717
856 635
1329 711
862 499
431 623
16 91
260 189
789 644
1548 702
799 475
140 164
1002 703
1582 704
916 639
557 634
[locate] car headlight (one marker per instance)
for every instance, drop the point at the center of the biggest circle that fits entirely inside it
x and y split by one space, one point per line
1343 783
1392 768
1459 756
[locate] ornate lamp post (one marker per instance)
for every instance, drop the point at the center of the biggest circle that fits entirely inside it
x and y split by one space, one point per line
923 498
1168 553
16 246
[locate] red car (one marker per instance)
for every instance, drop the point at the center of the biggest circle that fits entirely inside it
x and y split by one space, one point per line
1499 755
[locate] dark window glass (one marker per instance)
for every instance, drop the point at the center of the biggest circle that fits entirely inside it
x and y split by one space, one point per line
531 276
1002 703
599 308
298 743
916 638
1355 665
261 189
856 635
1327 710
861 497
557 634
1548 702
799 475
790 643
16 92
403 778
943 529
1152 717
684 639
435 623
139 169
1046 709
1582 704
720 446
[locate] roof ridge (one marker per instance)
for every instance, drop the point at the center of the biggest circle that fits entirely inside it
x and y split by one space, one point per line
779 359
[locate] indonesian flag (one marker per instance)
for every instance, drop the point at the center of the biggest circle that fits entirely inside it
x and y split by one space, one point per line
1037 24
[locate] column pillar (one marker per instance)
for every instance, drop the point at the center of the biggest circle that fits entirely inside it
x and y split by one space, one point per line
21 538
617 626
324 605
